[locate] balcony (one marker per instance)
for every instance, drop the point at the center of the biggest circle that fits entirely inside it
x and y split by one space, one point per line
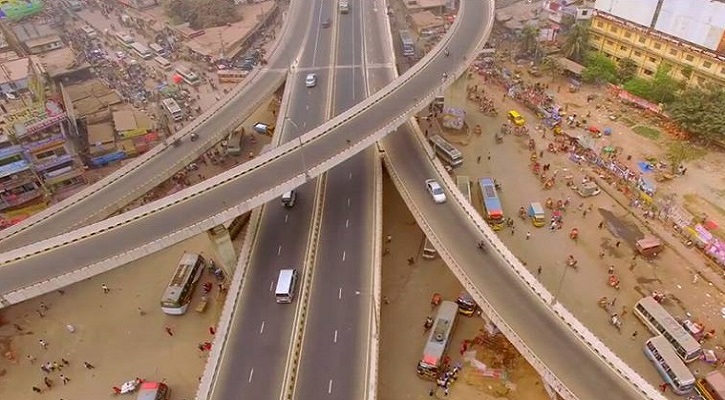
14 200
44 144
19 180
46 164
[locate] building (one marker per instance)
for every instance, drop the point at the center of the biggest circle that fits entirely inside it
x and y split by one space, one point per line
19 186
688 37
436 6
14 75
37 38
579 10
426 23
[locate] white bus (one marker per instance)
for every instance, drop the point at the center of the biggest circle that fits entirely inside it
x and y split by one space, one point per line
158 50
438 341
449 154
125 39
173 109
142 51
660 322
177 295
670 367
189 76
464 185
163 63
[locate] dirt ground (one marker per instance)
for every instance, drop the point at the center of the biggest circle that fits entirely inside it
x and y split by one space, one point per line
408 289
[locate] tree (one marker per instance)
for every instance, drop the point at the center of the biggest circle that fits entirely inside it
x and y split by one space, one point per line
202 14
701 112
576 42
552 66
661 89
599 69
678 151
529 39
626 70
639 87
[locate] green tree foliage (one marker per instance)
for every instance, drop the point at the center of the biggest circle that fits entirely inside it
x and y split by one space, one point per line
576 42
700 112
202 14
626 70
529 39
599 69
661 89
678 151
552 66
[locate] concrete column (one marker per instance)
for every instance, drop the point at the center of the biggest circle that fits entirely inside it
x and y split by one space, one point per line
219 235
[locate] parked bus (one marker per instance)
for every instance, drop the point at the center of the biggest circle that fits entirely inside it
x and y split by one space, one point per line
189 76
712 386
172 108
231 75
234 143
344 6
142 51
158 50
407 43
75 5
438 340
149 390
671 368
177 295
449 154
660 322
429 251
163 63
464 185
493 212
125 39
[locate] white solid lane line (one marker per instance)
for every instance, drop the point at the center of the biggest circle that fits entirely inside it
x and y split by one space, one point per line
261 328
334 340
344 253
279 249
251 374
347 223
339 294
348 202
271 286
286 217
329 387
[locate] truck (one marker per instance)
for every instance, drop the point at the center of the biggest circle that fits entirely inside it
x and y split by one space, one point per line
344 6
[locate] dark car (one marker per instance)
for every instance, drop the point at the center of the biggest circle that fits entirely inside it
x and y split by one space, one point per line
326 23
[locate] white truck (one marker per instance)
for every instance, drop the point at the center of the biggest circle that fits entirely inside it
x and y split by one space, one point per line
344 6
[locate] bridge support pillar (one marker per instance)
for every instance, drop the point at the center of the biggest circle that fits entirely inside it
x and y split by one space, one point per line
221 238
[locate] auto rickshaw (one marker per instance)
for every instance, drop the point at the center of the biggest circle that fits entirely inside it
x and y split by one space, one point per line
573 233
466 305
537 215
516 118
613 281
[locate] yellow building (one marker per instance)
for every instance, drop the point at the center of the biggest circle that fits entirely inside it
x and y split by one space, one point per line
620 39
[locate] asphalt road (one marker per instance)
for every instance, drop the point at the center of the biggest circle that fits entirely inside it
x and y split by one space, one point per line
334 358
113 195
244 183
253 362
573 362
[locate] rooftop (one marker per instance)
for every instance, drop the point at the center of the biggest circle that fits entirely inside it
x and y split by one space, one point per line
13 71
32 30
424 4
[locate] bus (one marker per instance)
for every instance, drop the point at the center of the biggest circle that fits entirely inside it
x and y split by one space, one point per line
712 386
660 322
438 341
231 75
142 51
172 108
234 143
189 76
177 295
668 364
89 32
344 6
163 63
158 50
125 39
464 185
407 42
449 154
493 212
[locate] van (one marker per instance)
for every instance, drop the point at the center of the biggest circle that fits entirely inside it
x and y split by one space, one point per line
516 118
649 246
163 63
429 252
286 282
153 391
289 198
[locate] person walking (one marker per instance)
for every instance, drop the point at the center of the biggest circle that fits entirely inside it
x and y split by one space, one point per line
48 383
36 389
528 235
105 288
43 344
88 365
64 379
634 335
538 271
169 331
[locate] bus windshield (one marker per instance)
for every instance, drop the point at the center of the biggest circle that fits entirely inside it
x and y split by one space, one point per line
660 322
493 212
438 340
177 295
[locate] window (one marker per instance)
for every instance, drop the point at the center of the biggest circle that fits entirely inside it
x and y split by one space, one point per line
596 38
623 48
673 52
701 81
613 29
657 46
722 71
651 59
648 72
642 39
689 57
628 34
610 43
600 24
638 54
706 64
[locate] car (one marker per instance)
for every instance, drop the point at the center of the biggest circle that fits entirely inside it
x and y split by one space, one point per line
326 23
311 80
289 199
436 191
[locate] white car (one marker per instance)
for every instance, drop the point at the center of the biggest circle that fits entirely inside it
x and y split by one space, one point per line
311 80
436 191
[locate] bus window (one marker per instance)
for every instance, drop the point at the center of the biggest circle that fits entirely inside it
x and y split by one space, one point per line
445 151
286 282
492 210
163 63
187 75
172 109
660 322
438 341
177 295
669 365
429 252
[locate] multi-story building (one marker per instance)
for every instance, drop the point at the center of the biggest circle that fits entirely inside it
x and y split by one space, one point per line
687 36
19 185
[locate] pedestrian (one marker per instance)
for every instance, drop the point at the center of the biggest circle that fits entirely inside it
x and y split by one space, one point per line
43 344
141 312
212 331
614 300
584 213
64 361
43 306
88 365
610 271
31 359
624 312
538 271
528 235
601 225
488 157
601 254
36 389
663 387
478 160
64 379
169 331
634 335
56 366
513 231
389 239
431 392
105 288
48 382
411 260
617 244
40 313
